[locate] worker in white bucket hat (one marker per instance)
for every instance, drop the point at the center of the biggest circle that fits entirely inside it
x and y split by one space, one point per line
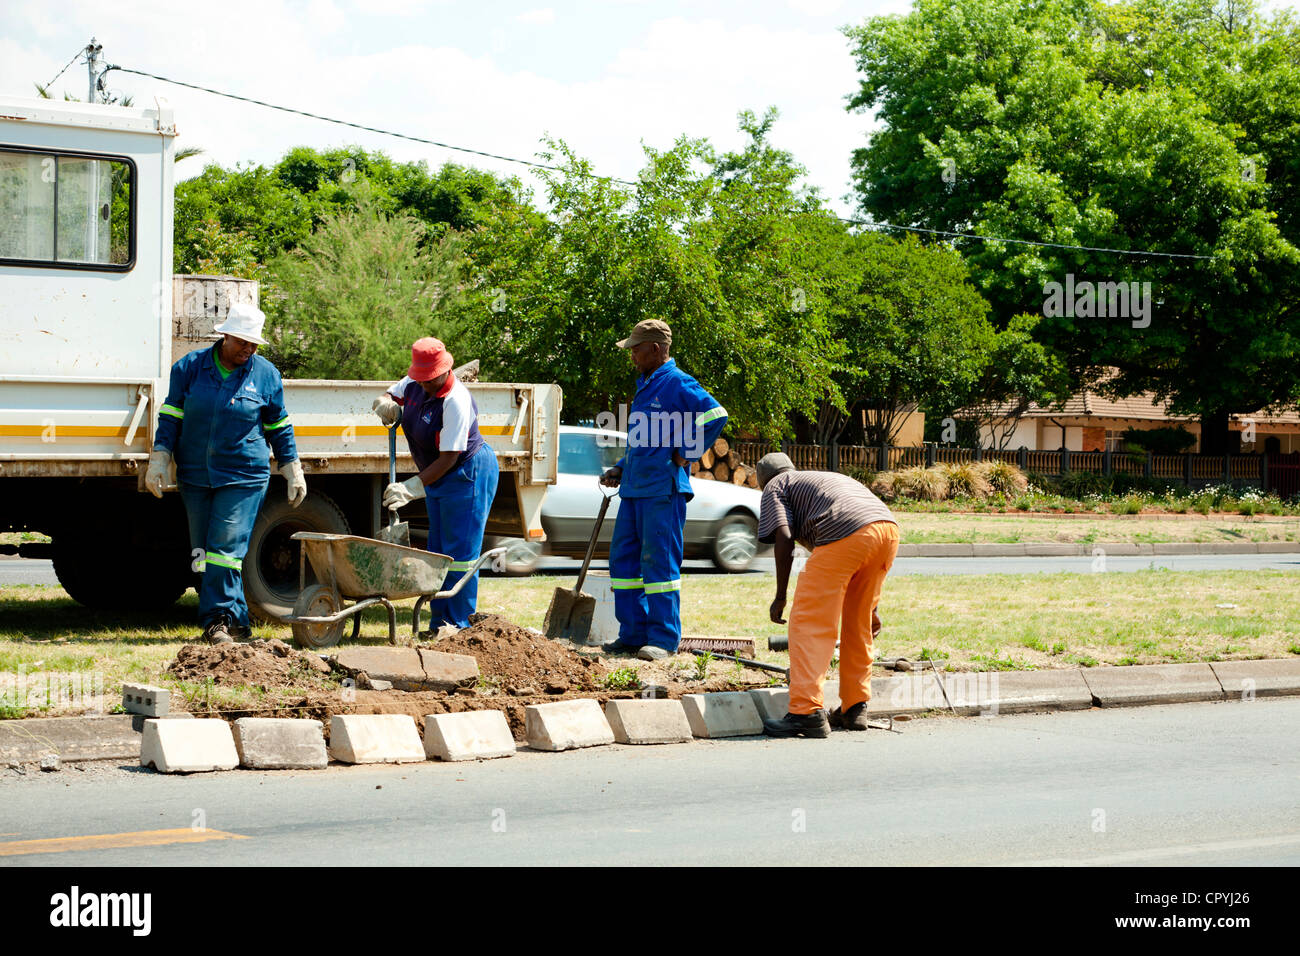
223 417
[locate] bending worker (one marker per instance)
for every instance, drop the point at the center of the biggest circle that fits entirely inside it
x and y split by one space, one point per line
853 538
223 406
457 469
672 422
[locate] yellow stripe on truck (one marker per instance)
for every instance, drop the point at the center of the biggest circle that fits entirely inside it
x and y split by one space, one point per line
92 431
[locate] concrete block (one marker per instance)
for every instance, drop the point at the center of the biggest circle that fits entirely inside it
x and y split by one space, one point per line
448 670
998 550
472 735
1116 548
279 743
726 714
139 720
1044 549
1176 547
188 746
399 665
773 703
908 551
1152 684
1243 679
1235 547
950 550
146 699
1279 547
566 725
648 721
910 693
375 738
990 693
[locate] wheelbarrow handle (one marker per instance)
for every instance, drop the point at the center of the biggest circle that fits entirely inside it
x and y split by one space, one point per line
485 556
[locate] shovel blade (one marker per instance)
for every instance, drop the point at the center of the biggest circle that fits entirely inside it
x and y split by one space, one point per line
579 629
557 616
399 533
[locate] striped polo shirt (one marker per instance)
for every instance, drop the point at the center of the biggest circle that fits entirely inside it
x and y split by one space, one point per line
818 507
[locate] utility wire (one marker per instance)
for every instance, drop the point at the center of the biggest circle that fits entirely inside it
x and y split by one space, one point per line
626 182
64 70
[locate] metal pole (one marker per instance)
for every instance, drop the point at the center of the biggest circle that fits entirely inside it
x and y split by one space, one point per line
93 49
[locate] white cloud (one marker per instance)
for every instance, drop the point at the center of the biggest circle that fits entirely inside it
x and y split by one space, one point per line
814 8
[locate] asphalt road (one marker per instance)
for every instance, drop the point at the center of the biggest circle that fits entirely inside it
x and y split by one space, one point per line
1190 784
25 571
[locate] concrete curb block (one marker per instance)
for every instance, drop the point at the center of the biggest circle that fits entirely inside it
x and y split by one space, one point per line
1247 679
981 549
375 738
723 714
188 746
773 703
281 743
566 725
648 721
472 735
1152 684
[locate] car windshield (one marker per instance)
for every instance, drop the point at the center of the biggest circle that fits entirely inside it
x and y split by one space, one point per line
582 454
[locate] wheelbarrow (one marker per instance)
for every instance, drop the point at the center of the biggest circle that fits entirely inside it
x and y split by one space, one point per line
368 572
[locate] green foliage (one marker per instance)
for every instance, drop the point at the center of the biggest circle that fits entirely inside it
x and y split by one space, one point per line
349 303
1004 478
702 665
866 476
1176 132
922 484
722 247
1160 441
965 480
625 678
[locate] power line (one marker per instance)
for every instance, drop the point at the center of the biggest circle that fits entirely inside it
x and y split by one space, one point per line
368 129
64 70
625 182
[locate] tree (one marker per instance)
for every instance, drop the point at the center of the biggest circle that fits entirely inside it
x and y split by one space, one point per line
349 302
711 244
1114 127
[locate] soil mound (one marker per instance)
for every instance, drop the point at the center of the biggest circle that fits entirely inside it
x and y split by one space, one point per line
520 661
266 664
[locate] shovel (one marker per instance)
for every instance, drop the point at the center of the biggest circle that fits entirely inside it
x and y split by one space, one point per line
570 614
397 532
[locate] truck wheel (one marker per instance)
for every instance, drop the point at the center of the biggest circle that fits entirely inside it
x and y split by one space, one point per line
271 565
141 581
736 542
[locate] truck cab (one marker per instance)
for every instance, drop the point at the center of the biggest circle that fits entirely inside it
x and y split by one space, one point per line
91 319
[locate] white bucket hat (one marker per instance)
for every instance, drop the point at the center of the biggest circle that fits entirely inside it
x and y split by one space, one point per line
245 322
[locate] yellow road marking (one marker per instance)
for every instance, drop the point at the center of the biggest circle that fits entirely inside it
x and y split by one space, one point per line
114 841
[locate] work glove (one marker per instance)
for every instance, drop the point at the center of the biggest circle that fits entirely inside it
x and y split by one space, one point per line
156 475
400 493
292 471
389 412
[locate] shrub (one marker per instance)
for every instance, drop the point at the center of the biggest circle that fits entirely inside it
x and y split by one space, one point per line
965 480
1160 441
858 473
1080 484
923 484
882 486
1004 478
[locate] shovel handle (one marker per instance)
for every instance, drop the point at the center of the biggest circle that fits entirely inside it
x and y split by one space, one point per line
392 469
591 545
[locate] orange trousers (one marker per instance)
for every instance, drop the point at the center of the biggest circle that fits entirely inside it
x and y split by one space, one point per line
836 595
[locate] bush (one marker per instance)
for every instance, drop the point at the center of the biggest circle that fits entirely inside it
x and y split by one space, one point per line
1080 484
923 484
1004 478
1159 441
965 480
858 473
882 486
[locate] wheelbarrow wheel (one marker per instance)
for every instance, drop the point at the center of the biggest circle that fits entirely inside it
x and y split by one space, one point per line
317 601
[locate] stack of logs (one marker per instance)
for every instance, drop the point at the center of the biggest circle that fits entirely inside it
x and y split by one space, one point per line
720 463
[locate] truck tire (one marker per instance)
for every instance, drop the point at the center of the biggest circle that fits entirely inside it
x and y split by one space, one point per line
271 565
97 576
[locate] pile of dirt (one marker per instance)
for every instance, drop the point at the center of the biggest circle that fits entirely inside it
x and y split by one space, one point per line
267 664
522 662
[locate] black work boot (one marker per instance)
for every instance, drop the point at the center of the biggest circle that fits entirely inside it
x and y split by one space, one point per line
218 631
799 725
855 718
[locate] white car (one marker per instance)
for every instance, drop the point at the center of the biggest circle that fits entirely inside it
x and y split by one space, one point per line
721 520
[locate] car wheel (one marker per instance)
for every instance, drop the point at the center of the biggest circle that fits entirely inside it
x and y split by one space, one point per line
521 557
735 543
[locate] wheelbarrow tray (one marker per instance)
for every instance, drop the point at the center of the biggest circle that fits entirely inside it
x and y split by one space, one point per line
363 567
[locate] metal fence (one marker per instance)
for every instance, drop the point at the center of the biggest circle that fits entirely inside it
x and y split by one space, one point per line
1196 471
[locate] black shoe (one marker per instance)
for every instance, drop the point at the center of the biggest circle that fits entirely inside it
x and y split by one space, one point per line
855 718
240 632
218 631
799 725
618 647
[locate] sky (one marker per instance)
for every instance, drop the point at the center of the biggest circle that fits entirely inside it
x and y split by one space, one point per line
603 75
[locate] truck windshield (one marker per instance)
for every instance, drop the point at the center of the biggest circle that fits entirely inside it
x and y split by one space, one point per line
61 209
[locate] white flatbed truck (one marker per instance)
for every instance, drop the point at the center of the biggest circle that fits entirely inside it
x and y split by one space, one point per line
90 323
